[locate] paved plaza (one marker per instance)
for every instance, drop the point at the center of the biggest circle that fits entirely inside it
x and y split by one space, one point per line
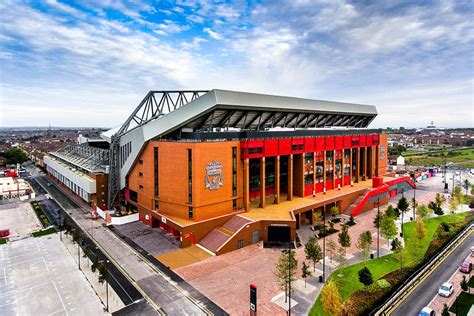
39 277
19 229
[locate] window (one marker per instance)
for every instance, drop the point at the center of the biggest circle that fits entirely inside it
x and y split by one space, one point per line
190 176
155 171
140 187
140 162
133 196
257 150
157 205
140 174
234 204
297 147
190 212
234 171
240 243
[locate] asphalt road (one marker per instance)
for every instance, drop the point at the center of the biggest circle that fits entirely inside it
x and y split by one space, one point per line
423 294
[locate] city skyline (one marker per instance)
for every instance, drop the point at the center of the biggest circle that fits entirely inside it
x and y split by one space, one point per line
90 64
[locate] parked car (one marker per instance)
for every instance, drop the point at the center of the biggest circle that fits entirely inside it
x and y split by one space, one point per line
426 311
446 289
465 267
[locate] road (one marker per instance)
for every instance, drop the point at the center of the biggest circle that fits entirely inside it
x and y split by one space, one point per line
156 287
423 294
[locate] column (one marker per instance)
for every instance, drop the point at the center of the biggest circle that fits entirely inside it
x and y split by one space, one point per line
364 153
324 170
343 166
350 164
357 164
262 182
333 169
314 176
277 180
246 184
290 177
373 151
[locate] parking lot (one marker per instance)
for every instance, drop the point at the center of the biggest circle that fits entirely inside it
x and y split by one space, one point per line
39 277
19 229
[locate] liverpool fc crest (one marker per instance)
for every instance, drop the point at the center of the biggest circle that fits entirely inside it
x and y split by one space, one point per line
214 175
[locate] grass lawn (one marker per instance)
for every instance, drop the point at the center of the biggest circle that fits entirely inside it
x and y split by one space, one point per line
463 303
386 264
461 157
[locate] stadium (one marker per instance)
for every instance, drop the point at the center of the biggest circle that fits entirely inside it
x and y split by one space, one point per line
224 169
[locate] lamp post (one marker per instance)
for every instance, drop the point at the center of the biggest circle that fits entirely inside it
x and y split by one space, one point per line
401 226
289 279
106 282
414 198
378 227
324 244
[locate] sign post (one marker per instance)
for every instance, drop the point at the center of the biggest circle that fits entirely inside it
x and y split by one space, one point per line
253 300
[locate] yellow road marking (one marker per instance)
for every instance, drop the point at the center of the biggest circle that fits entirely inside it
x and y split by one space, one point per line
435 266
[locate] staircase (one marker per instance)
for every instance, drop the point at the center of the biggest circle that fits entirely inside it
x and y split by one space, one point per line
351 207
220 235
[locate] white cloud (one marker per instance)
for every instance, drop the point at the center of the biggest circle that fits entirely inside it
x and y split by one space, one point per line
213 34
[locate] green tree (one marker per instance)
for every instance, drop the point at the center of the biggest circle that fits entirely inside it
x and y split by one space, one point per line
331 298
364 243
466 185
453 204
423 211
344 238
305 273
390 211
445 311
334 210
463 284
365 276
377 219
341 257
439 199
420 231
403 206
15 155
388 229
313 251
457 194
397 248
285 271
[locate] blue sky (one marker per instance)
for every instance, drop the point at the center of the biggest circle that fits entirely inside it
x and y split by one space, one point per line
89 63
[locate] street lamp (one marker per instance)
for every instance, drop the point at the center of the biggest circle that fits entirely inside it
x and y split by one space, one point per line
414 197
378 227
401 226
106 282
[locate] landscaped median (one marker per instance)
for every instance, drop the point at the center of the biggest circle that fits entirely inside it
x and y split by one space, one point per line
47 226
360 300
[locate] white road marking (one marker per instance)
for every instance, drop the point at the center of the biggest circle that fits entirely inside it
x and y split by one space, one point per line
64 306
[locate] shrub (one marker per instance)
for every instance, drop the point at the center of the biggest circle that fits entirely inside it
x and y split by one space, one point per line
365 276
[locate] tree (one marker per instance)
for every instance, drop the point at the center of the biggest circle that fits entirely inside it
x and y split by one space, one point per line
341 257
420 231
331 299
423 211
364 243
313 251
403 206
445 311
344 238
466 185
453 204
332 248
285 272
388 229
15 155
414 203
397 248
457 194
377 219
390 211
334 211
435 208
439 199
365 276
463 284
305 272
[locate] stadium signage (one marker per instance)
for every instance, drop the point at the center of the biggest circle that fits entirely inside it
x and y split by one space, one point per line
382 152
214 176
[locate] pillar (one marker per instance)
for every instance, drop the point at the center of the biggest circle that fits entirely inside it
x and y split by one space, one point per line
277 180
357 165
350 164
324 170
262 182
333 169
246 184
290 177
298 171
314 176
364 154
373 151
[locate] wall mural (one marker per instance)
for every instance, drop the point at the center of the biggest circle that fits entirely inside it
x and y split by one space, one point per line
214 176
